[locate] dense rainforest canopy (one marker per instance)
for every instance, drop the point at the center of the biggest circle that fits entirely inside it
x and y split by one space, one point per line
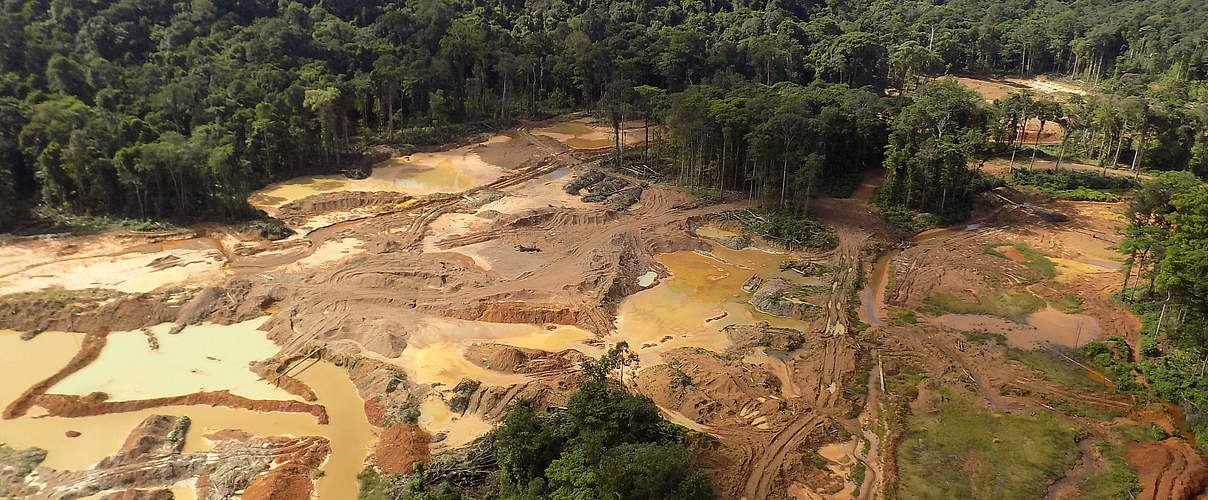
174 109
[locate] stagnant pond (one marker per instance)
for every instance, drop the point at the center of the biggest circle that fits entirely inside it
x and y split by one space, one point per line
123 367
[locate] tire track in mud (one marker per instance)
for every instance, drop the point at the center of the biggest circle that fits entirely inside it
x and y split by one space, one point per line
768 463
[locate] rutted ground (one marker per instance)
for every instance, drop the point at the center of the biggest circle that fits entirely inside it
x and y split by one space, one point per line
481 279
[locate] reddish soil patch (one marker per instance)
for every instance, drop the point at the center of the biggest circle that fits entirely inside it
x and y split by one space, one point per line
1168 470
375 411
63 405
400 447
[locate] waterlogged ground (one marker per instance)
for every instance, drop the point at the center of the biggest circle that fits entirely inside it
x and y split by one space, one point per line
702 295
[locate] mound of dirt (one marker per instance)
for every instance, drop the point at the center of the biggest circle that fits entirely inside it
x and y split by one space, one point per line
509 359
156 435
400 447
583 180
779 297
762 334
296 212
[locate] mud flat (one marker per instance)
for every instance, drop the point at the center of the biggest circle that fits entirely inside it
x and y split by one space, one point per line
1041 328
588 133
418 174
133 269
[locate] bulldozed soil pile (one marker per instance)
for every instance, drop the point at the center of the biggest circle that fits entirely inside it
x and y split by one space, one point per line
535 362
298 211
746 337
400 447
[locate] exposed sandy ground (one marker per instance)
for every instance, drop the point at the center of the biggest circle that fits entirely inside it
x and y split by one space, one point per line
1002 166
992 89
589 133
413 293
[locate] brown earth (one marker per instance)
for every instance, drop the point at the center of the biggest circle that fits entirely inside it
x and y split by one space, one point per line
400 447
1168 470
64 405
764 404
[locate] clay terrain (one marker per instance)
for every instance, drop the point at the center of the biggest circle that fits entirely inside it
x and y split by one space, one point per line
408 310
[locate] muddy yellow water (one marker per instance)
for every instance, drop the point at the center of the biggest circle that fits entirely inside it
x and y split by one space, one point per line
200 358
702 286
418 174
435 417
28 362
435 352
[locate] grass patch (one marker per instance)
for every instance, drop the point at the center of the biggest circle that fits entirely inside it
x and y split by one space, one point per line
1003 305
1083 194
1070 180
1031 258
992 249
907 316
1071 303
963 451
904 383
1055 369
857 474
986 337
1116 479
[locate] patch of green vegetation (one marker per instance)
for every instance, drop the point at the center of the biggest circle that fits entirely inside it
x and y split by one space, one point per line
400 413
1112 356
904 383
62 218
906 315
789 229
908 221
857 474
1116 479
267 229
1033 259
1056 369
965 451
1069 180
986 337
374 485
1131 433
992 249
1084 194
1071 303
1003 304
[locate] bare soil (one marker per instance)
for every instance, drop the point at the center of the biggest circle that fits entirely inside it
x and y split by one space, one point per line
415 293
